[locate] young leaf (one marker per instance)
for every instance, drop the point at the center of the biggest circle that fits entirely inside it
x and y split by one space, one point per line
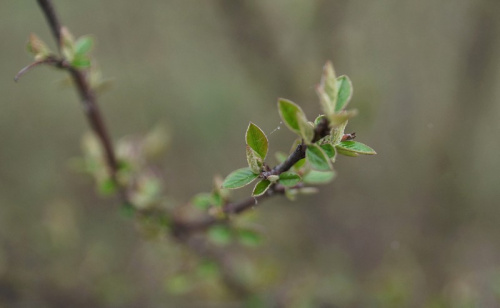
289 178
319 119
306 128
220 235
329 150
318 177
257 140
289 112
299 164
202 201
356 147
344 93
239 178
80 61
273 178
37 47
67 44
318 158
83 45
327 90
254 160
345 152
261 187
249 237
342 116
337 133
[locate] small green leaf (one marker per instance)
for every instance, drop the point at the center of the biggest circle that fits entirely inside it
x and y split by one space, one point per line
249 237
299 164
318 177
318 158
83 45
273 178
342 116
319 119
344 95
306 128
202 201
329 150
346 153
254 160
37 47
67 44
107 187
327 89
220 235
239 178
289 112
257 140
337 133
261 187
289 178
80 62
356 147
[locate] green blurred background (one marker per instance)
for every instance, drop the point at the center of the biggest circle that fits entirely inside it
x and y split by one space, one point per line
415 226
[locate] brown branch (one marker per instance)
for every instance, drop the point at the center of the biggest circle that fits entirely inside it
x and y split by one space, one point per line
87 97
24 70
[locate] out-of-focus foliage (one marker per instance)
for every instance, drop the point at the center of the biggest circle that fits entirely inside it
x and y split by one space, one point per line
415 226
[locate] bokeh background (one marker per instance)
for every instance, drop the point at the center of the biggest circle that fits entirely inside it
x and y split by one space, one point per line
418 225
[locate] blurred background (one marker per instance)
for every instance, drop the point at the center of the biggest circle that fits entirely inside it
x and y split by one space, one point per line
417 225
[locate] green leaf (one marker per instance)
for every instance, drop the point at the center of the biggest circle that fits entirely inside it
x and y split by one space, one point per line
318 158
346 153
289 178
337 133
37 47
107 187
318 177
342 116
239 178
202 201
306 128
329 150
220 235
319 119
249 237
344 86
299 164
83 45
80 62
254 160
327 89
257 140
289 112
356 147
67 44
273 178
261 187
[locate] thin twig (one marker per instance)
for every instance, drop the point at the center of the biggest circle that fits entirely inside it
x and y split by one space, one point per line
28 68
88 99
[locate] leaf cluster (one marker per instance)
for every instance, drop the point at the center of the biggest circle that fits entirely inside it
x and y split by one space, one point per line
311 166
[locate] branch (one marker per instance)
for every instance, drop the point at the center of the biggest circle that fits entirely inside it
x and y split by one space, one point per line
87 97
